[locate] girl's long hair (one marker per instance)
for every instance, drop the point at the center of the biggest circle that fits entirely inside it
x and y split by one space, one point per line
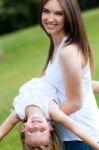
54 141
74 27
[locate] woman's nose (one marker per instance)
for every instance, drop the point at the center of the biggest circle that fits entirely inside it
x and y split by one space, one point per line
51 18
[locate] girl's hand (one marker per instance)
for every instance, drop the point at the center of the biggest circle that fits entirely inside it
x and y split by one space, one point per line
8 124
95 86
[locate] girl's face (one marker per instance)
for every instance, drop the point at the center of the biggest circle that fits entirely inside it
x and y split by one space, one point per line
53 17
37 129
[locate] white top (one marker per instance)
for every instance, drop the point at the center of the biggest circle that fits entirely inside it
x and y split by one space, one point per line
88 116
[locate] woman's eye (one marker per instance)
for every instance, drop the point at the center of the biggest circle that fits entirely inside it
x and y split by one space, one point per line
59 13
45 11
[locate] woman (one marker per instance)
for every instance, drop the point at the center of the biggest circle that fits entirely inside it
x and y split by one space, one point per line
69 69
64 82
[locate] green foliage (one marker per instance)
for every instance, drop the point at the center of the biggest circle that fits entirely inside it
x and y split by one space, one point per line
17 14
24 56
88 4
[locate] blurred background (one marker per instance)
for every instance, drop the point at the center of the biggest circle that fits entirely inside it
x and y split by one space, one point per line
23 50
18 14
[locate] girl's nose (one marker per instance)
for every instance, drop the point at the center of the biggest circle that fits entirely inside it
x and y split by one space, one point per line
28 127
36 125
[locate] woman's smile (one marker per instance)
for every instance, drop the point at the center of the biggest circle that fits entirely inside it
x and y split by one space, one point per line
53 18
50 26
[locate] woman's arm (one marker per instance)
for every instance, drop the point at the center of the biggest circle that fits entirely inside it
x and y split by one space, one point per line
59 116
8 124
71 62
95 86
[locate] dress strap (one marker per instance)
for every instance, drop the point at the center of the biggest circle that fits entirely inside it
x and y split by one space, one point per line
62 44
63 41
59 48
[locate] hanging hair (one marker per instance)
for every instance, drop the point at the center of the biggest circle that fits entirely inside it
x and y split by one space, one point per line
74 28
54 142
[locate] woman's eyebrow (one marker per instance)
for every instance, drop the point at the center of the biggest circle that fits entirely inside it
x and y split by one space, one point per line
61 11
45 8
55 11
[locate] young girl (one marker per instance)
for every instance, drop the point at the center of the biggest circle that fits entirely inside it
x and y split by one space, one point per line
65 85
37 112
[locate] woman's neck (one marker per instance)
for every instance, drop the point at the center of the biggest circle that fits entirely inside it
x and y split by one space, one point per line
57 40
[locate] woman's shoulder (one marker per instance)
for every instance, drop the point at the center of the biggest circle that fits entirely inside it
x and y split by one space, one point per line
71 53
69 49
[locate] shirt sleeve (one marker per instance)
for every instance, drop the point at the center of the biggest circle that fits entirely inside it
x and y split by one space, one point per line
23 99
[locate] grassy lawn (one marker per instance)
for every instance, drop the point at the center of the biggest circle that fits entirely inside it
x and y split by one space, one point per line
24 56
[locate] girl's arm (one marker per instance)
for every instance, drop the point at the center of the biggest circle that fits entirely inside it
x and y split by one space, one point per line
95 86
59 116
8 124
71 62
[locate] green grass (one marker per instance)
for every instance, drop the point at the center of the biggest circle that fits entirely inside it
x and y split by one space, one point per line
24 56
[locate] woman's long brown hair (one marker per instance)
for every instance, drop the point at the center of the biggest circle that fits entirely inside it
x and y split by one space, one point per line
74 27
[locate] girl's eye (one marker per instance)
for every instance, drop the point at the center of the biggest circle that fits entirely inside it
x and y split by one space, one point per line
59 13
31 131
45 11
43 129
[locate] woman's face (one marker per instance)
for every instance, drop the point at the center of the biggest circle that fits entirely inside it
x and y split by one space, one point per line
53 17
37 129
